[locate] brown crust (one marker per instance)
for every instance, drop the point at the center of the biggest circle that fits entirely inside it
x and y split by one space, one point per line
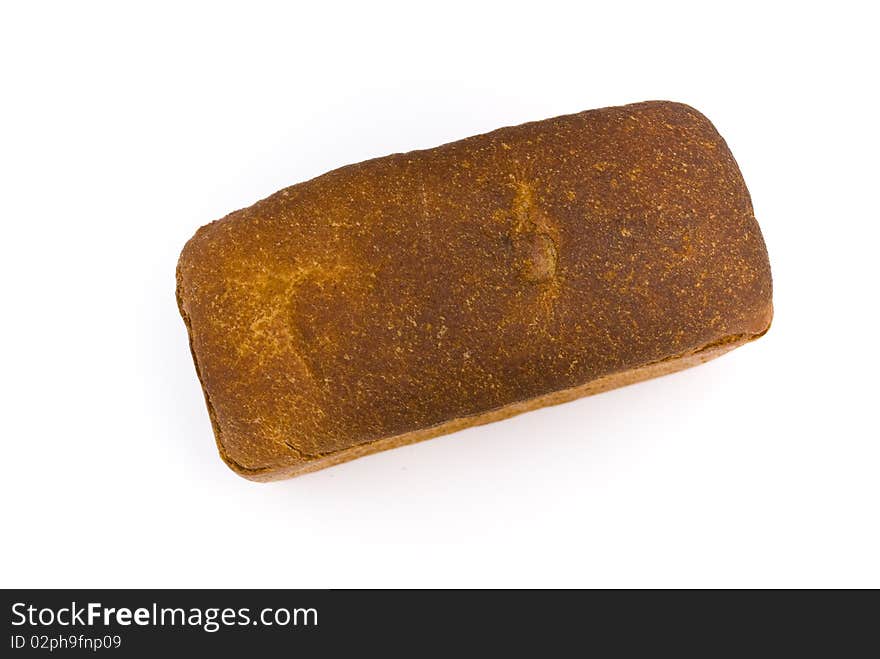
411 296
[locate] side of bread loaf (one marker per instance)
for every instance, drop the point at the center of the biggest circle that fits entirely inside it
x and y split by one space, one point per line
417 294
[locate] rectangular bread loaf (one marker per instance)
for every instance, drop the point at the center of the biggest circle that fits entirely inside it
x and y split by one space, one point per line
401 298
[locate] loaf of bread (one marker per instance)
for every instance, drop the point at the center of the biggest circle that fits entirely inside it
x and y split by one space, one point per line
401 298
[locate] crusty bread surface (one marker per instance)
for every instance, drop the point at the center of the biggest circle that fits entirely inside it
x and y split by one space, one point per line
410 296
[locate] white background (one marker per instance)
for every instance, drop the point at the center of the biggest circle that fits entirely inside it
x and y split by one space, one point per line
123 129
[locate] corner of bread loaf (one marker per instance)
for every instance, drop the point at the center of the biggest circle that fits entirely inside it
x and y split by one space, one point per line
764 320
258 474
677 110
